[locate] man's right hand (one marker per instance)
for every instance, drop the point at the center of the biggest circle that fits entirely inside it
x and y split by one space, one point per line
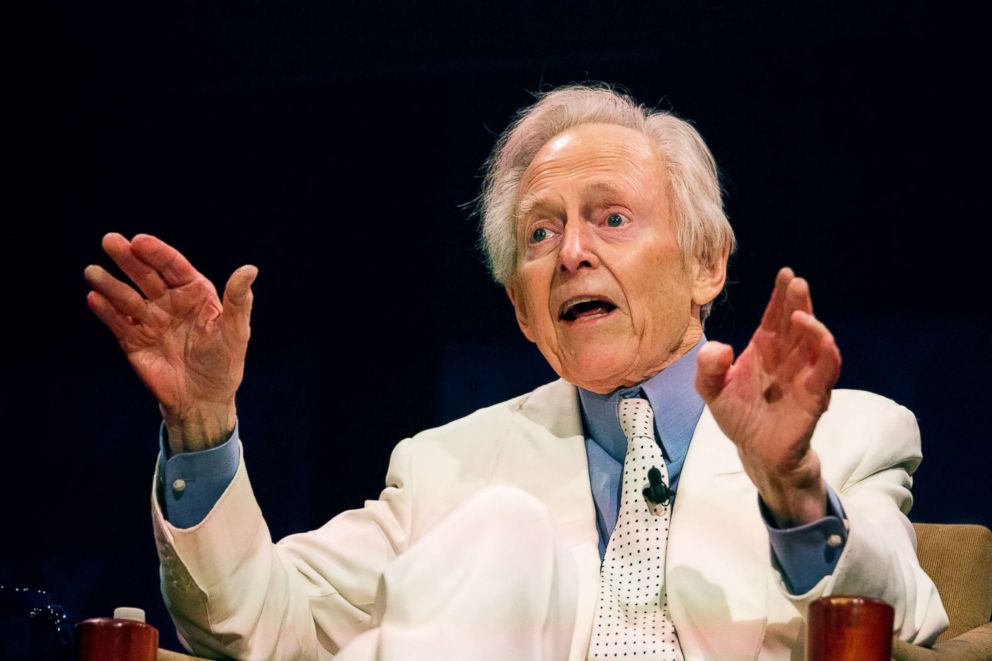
187 347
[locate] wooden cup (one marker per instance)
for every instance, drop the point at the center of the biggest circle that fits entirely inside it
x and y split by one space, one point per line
849 628
109 639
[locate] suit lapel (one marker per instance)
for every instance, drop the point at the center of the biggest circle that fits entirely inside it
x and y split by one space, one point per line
718 565
546 455
549 448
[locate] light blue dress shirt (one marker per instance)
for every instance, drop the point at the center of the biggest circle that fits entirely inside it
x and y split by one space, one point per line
805 553
191 483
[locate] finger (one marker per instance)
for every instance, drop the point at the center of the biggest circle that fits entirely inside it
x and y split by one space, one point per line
773 319
807 333
168 262
238 299
118 324
146 278
122 297
712 363
816 354
822 375
797 298
811 329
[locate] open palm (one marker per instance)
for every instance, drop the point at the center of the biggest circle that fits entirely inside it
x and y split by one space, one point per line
184 343
769 401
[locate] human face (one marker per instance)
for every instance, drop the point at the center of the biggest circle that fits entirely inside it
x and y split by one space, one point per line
601 285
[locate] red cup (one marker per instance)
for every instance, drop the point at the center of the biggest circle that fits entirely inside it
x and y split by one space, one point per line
849 628
110 639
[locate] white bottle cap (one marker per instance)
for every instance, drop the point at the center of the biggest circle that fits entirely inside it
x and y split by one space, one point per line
128 613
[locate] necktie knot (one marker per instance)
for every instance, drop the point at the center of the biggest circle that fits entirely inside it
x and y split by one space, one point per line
636 418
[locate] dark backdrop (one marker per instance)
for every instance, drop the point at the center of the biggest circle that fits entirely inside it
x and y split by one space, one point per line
335 145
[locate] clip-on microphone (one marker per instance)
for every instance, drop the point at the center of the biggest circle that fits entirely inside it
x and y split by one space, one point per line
657 492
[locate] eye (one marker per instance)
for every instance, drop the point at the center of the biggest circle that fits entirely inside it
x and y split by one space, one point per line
539 234
615 220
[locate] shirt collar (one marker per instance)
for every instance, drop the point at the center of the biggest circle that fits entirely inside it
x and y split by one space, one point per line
673 397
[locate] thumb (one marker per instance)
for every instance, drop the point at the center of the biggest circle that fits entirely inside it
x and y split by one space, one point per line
237 301
712 363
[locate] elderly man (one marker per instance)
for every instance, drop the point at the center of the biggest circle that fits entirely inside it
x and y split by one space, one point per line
661 500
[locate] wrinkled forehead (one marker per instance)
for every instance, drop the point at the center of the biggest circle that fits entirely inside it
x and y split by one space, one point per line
593 157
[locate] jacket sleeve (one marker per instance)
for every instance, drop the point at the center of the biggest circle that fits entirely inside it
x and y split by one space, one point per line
232 592
874 480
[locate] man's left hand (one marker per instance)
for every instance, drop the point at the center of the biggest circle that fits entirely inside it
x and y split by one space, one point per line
769 401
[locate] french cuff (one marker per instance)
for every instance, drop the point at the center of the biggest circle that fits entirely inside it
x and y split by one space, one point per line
191 483
808 553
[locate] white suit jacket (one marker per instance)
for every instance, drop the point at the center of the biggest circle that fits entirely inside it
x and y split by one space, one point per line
231 590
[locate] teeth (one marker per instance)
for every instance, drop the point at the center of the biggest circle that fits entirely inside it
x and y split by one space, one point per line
567 309
572 304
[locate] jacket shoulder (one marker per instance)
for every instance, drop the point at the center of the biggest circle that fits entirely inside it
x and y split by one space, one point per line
491 423
494 418
858 411
862 433
446 464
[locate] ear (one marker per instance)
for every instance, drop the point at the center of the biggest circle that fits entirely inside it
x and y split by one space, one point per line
520 309
709 279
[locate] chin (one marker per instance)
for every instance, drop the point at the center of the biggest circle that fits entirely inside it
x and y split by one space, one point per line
599 372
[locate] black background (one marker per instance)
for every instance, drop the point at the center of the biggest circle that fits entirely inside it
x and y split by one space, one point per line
336 144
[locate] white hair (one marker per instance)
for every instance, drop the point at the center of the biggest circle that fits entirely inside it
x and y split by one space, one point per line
703 231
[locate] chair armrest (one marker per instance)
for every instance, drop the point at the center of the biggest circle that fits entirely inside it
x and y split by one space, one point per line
166 655
974 645
903 651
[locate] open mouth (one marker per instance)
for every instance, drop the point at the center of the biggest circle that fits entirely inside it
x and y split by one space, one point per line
586 308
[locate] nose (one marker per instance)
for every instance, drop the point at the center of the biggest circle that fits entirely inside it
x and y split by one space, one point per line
577 249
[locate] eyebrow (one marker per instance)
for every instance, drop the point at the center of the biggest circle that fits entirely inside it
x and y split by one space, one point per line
530 202
605 187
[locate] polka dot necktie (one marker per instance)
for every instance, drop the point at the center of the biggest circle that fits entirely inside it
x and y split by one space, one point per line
632 616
